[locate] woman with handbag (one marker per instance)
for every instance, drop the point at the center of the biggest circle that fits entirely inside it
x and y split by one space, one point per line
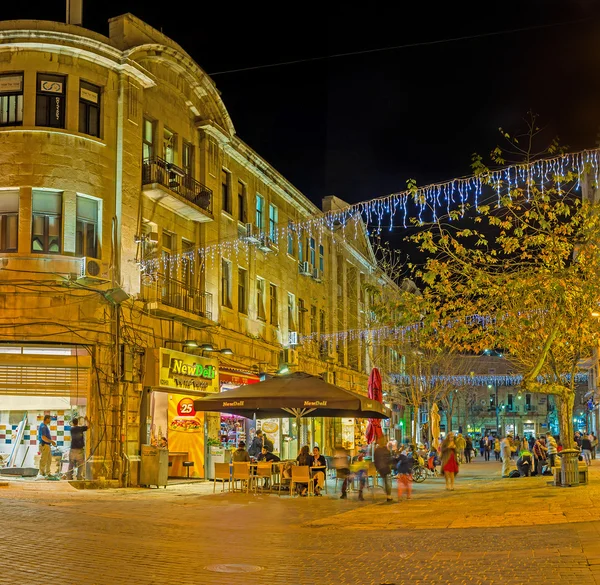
449 461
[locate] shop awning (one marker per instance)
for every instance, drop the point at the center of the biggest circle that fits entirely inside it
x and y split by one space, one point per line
297 395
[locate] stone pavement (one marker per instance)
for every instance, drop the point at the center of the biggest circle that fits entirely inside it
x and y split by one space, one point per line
489 531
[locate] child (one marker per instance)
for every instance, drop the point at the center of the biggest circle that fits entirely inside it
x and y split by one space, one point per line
359 470
404 467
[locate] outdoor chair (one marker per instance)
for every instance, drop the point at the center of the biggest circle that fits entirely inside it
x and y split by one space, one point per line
241 473
372 477
222 474
341 476
264 471
284 479
301 474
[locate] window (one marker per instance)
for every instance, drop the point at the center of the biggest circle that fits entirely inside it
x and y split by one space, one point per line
322 322
9 220
89 109
290 239
50 101
260 210
301 318
260 299
148 139
11 99
169 141
213 156
187 159
188 264
300 249
242 291
273 218
312 252
510 402
226 283
273 305
291 312
47 213
168 245
313 319
321 258
241 202
225 197
527 401
86 235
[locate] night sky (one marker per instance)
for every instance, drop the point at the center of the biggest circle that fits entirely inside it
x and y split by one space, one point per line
360 126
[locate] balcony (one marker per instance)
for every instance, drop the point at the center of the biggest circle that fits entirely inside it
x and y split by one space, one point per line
168 185
173 299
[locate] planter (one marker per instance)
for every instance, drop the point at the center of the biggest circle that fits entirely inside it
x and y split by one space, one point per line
569 467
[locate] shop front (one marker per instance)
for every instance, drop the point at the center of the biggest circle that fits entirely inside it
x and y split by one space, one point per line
35 382
172 381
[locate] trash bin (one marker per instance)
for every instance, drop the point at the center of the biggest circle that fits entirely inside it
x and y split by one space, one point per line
569 473
215 455
155 466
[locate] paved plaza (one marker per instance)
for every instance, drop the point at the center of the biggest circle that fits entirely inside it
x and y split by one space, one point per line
489 531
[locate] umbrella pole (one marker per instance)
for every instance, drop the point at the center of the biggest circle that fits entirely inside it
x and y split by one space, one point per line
298 431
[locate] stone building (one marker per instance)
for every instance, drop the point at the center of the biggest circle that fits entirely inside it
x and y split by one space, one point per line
139 236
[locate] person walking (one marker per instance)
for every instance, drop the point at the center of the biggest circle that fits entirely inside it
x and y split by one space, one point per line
506 452
482 446
450 465
468 449
497 448
77 451
552 449
359 470
539 454
594 442
383 464
586 449
341 463
404 469
460 443
487 447
45 442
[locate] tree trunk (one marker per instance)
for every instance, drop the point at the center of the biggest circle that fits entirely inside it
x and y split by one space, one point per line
565 405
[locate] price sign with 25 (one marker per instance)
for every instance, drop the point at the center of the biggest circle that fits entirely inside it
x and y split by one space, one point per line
186 407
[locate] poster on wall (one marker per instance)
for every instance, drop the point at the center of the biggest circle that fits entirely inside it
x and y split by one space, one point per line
186 433
270 427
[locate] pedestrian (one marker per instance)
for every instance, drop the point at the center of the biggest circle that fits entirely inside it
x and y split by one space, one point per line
45 442
531 442
586 449
468 449
240 455
359 470
552 449
77 451
524 446
594 442
341 463
257 444
506 453
487 447
383 463
497 448
525 463
404 469
450 463
482 446
539 454
460 444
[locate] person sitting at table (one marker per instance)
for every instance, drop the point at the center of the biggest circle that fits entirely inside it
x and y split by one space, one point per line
240 455
318 461
304 459
266 455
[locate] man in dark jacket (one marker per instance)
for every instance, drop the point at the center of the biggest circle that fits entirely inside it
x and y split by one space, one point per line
257 444
383 464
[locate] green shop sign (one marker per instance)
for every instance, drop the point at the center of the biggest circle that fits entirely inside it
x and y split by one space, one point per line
195 370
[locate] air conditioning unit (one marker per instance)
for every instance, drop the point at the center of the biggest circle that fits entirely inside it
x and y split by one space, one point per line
293 338
92 269
305 268
266 244
252 234
317 275
291 357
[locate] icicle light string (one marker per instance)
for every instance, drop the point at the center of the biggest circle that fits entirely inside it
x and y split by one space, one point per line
479 379
380 212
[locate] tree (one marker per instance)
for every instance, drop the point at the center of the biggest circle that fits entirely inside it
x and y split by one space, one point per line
523 277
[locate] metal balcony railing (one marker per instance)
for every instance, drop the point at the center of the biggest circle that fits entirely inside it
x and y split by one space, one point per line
178 295
157 170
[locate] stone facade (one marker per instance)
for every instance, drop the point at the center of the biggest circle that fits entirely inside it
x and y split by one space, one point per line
168 233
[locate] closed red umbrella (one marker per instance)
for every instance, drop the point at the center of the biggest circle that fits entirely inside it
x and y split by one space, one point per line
374 430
